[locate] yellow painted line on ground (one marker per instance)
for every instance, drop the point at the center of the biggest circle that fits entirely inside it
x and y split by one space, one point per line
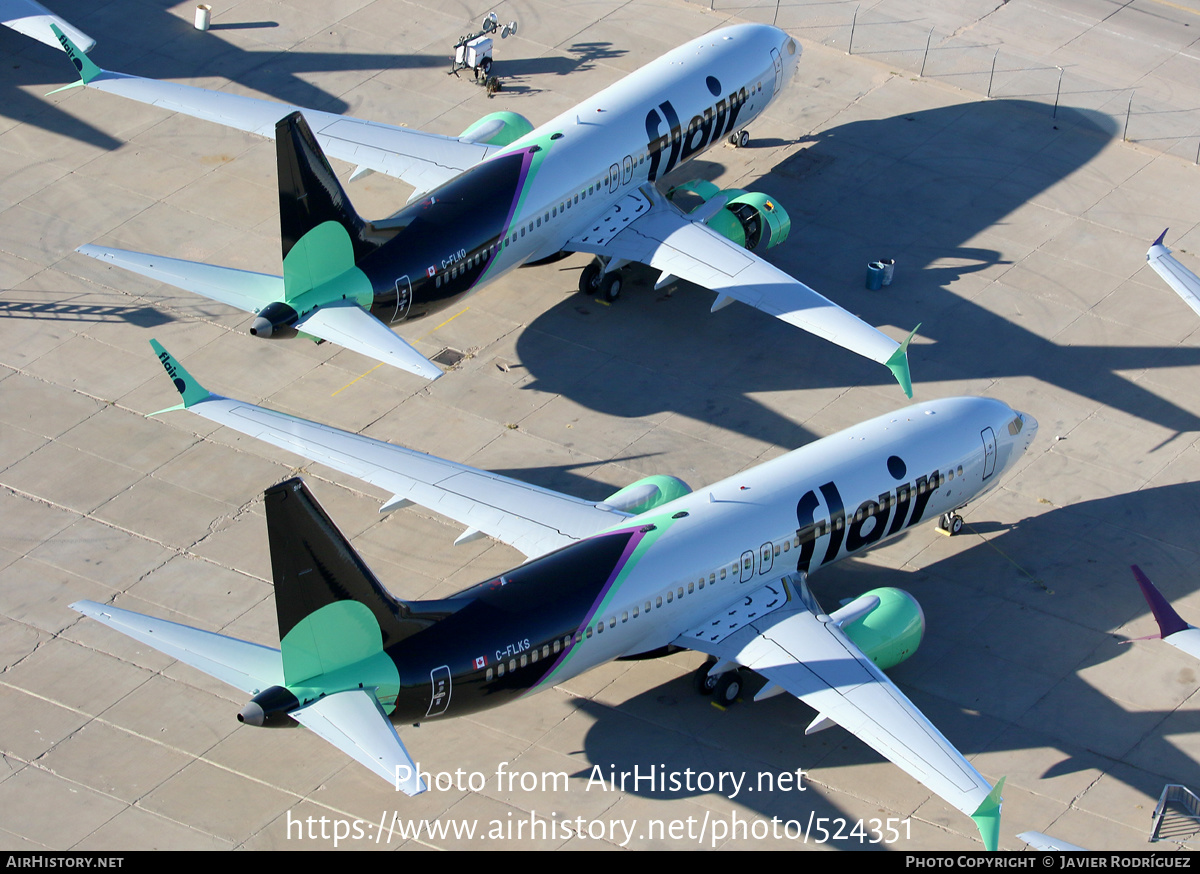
448 321
1176 6
356 379
380 364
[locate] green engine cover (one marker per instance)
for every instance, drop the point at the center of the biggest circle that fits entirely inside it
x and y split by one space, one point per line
648 493
498 129
775 223
749 218
892 631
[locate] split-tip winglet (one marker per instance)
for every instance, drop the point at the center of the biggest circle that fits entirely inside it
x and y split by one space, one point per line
987 816
898 363
189 389
1169 622
86 66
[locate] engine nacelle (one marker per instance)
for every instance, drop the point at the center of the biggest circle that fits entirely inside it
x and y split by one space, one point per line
892 631
270 709
646 494
750 219
275 320
498 129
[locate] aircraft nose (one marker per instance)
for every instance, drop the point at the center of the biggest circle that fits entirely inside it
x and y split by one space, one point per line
1029 427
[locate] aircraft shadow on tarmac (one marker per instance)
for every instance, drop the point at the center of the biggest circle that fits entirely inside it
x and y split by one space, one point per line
988 625
918 186
46 309
163 46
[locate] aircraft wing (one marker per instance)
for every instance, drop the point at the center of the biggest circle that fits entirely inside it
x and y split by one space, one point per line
34 20
354 722
347 324
807 654
1171 626
240 289
533 520
1185 283
1047 844
423 160
241 664
646 228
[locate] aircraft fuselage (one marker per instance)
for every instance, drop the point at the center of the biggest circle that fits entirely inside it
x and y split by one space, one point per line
530 200
638 586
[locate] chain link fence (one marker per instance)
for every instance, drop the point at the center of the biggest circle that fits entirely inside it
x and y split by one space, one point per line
1159 112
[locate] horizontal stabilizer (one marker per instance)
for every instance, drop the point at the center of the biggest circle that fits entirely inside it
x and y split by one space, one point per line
354 722
244 665
349 325
241 289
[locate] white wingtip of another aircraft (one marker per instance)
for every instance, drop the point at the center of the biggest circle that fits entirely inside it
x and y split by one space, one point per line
1044 842
34 20
1184 282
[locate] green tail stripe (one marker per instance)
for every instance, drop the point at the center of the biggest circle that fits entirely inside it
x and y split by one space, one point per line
86 67
987 817
192 391
898 364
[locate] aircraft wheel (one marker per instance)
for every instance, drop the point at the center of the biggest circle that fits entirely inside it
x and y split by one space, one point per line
611 286
728 688
702 681
951 523
743 139
589 279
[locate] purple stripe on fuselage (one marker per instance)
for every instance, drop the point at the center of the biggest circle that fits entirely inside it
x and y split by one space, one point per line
526 161
626 554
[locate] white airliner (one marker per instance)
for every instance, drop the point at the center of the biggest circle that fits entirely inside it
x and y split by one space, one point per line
1184 282
502 195
654 568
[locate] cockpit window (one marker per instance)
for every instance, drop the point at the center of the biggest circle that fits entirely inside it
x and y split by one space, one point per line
791 47
1015 426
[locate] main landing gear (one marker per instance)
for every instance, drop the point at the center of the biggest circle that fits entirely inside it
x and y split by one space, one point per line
725 688
950 523
596 280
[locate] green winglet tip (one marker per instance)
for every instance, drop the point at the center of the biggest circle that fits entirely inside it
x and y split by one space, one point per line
192 391
987 817
898 364
86 67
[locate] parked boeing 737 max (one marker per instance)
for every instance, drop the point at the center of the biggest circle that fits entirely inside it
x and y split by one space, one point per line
654 568
503 194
